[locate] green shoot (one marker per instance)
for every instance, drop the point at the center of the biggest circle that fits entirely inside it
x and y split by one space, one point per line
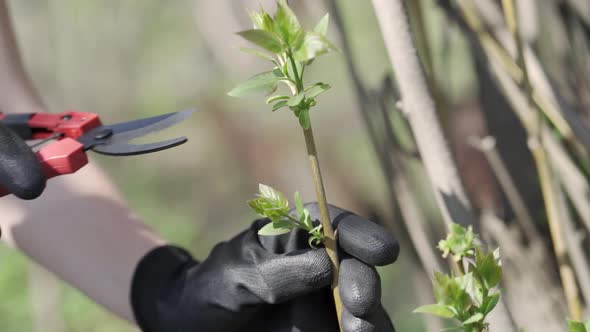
470 296
290 50
272 204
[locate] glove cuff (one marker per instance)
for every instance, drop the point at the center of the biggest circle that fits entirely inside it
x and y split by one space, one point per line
153 296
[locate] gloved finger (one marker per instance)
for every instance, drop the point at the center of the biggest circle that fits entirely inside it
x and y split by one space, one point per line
20 171
377 322
293 274
287 271
360 287
361 238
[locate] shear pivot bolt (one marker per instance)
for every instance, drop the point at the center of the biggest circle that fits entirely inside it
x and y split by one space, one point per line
105 133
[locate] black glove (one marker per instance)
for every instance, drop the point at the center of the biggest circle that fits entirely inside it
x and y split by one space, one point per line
267 283
20 171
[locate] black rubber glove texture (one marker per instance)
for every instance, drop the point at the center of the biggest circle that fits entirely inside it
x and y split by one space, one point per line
267 283
20 171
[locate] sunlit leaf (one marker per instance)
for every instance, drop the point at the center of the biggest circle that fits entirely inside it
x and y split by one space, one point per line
298 205
487 269
270 203
574 326
295 100
261 20
473 319
275 98
273 195
449 291
261 83
490 304
313 46
435 309
270 229
322 26
267 40
314 90
286 23
459 241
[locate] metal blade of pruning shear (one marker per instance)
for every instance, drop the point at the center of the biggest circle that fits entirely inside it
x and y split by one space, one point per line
114 139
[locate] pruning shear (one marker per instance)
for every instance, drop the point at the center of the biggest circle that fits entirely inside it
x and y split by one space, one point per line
73 133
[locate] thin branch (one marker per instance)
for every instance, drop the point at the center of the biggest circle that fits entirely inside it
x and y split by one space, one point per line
487 146
550 190
329 238
420 107
399 190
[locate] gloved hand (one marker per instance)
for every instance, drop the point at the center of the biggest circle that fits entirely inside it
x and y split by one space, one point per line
267 283
20 171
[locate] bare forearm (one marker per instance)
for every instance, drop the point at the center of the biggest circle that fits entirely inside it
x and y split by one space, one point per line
17 94
82 230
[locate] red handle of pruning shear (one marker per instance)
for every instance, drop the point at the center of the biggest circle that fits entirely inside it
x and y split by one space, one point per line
64 156
73 133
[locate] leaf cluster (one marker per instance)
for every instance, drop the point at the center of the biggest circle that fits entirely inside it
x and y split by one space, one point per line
290 48
471 295
272 204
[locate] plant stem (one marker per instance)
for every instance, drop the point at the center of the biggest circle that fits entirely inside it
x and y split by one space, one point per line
329 238
298 79
548 186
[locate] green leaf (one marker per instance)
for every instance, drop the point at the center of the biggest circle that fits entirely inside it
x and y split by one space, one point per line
473 319
275 98
449 291
298 40
298 205
314 90
278 72
306 220
574 326
279 105
471 286
269 229
490 303
270 203
459 242
295 100
587 325
273 195
261 20
257 53
322 26
488 269
286 23
267 40
435 309
315 240
304 119
313 46
261 83
258 205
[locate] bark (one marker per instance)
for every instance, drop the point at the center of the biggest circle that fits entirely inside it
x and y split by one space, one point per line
419 105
